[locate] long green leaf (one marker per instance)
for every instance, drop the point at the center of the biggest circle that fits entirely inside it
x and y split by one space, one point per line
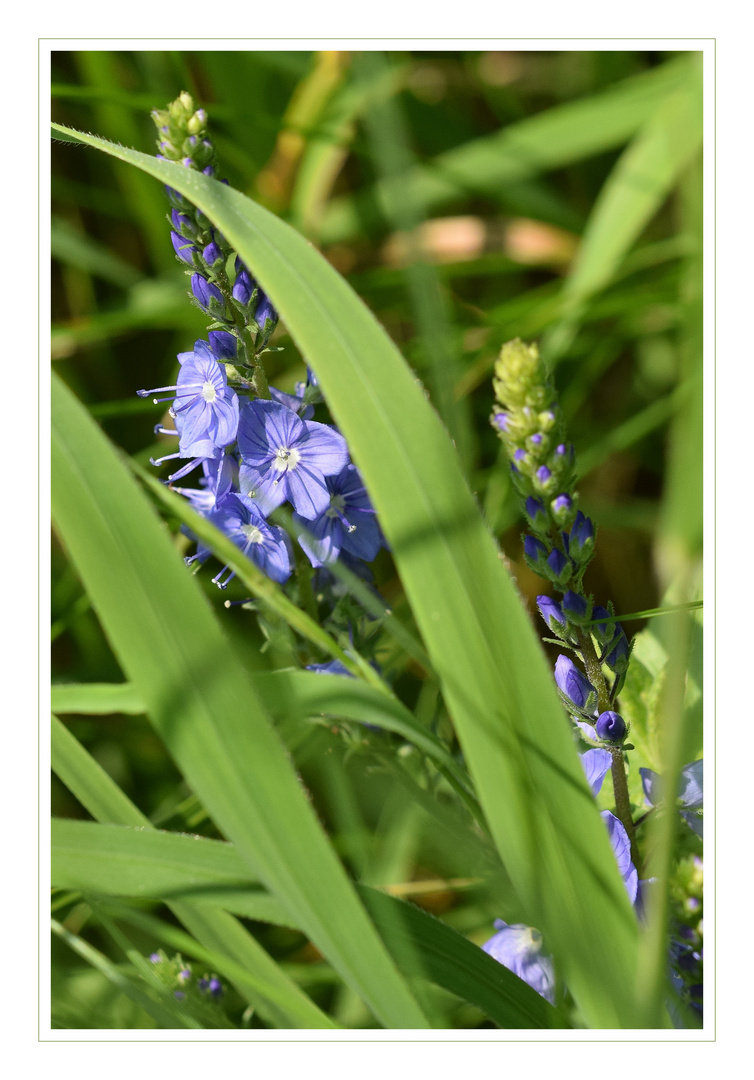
256 976
557 137
495 681
203 705
115 861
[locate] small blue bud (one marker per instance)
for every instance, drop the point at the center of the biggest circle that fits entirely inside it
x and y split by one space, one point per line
203 984
179 994
208 295
617 658
537 514
547 420
575 607
243 287
183 249
500 421
611 727
581 540
603 632
154 958
552 613
265 314
212 254
559 568
573 683
209 171
535 554
543 474
215 987
563 510
565 451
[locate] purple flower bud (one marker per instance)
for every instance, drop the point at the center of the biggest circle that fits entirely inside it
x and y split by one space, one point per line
565 451
265 313
572 682
601 631
243 287
203 984
209 171
223 344
188 162
212 254
154 958
581 540
215 987
543 474
183 249
551 612
563 509
208 295
537 514
575 606
611 727
617 658
500 420
519 456
535 551
558 567
179 994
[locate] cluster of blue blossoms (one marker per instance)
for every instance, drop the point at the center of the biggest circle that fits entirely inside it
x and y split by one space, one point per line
257 447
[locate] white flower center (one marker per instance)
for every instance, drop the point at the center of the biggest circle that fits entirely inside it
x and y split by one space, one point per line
208 392
252 533
285 459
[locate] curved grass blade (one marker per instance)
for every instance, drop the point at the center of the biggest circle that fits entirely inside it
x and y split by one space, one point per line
113 861
203 705
257 978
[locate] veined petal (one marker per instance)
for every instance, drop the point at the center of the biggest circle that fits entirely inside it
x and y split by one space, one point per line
622 850
597 764
306 489
326 448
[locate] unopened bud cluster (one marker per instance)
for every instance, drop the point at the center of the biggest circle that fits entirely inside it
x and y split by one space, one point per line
560 543
201 997
221 286
529 422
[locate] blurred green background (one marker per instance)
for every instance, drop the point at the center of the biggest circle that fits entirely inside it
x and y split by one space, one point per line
469 198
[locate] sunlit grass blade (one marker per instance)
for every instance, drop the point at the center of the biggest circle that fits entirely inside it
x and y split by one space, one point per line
496 683
112 861
97 698
172 647
256 976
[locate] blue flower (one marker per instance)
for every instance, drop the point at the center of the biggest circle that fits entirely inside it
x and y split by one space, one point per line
573 683
519 948
240 519
334 667
205 408
348 523
690 792
284 457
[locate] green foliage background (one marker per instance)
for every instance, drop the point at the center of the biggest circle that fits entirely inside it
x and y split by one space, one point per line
467 198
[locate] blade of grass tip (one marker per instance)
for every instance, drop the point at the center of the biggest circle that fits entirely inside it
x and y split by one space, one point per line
650 613
127 986
394 161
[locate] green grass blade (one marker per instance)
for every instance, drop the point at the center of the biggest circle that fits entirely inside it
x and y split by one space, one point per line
256 977
97 699
171 646
496 683
113 861
562 135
